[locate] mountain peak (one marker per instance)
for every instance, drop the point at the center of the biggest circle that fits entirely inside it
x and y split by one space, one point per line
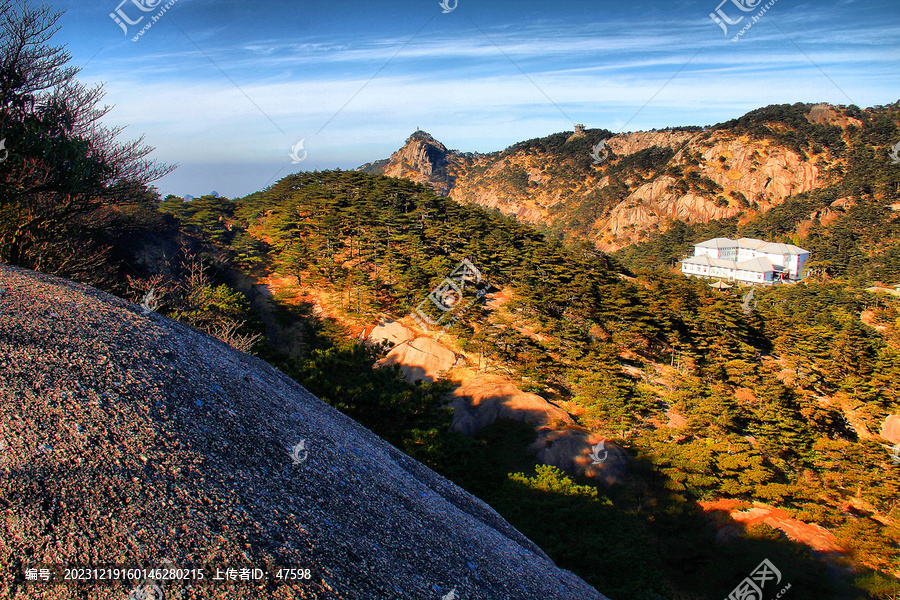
420 135
422 159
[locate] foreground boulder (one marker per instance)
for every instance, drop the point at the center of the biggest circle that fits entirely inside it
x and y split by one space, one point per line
128 438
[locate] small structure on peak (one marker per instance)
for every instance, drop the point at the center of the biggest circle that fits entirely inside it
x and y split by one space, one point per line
747 260
579 132
420 134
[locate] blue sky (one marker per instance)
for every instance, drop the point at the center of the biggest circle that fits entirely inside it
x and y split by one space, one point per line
226 88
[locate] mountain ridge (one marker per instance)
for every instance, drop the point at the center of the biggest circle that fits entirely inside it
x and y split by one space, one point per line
737 169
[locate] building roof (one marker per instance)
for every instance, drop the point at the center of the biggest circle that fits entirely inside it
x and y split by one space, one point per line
706 260
755 265
775 248
752 244
716 243
760 264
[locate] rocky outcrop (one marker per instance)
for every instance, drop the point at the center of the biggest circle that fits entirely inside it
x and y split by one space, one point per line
582 453
825 114
389 331
890 430
422 159
130 439
629 143
483 400
534 210
732 521
560 441
420 359
759 173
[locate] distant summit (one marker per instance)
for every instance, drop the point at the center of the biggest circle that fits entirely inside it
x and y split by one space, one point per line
422 135
422 159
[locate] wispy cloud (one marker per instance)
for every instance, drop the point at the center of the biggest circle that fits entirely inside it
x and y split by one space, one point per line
286 70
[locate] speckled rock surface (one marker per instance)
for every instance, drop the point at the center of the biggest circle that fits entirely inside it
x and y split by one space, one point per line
128 438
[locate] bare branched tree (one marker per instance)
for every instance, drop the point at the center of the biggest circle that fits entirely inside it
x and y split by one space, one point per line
29 66
227 331
35 77
188 298
64 165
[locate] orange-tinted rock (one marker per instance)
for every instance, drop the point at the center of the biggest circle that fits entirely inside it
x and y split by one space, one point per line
731 521
891 429
560 442
421 359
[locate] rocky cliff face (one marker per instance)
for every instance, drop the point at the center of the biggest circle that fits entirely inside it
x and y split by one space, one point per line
754 176
710 174
130 439
422 159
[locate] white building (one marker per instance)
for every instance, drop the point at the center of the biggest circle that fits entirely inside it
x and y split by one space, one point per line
746 261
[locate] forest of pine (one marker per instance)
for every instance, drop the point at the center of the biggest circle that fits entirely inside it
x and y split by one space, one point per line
773 398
